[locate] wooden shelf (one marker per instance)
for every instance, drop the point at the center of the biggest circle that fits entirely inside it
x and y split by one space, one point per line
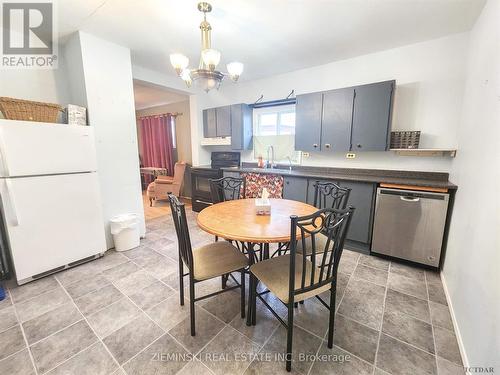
425 152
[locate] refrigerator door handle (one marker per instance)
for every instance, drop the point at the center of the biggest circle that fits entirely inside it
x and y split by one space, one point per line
12 203
3 156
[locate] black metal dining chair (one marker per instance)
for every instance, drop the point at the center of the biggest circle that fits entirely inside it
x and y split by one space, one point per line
227 188
326 195
224 189
296 276
330 195
204 263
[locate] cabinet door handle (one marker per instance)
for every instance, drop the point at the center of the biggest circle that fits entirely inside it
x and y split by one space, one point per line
328 145
315 145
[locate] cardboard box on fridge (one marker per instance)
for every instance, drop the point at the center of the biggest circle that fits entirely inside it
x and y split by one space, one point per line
75 115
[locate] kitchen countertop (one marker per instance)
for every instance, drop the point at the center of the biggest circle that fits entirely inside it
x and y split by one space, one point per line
202 167
413 178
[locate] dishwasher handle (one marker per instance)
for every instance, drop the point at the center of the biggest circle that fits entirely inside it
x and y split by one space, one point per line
409 199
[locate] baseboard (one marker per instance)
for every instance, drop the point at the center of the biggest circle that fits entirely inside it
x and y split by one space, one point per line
461 346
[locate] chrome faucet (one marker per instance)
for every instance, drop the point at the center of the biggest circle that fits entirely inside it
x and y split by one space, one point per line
289 163
270 161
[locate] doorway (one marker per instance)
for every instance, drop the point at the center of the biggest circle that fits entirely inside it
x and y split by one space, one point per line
164 138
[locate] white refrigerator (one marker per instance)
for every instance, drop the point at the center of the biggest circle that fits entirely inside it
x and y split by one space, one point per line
50 196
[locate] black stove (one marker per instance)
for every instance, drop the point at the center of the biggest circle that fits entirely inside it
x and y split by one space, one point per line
201 175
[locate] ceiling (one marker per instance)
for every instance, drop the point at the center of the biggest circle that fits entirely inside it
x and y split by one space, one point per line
269 36
147 95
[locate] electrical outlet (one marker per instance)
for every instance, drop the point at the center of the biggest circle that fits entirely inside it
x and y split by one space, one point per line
305 154
350 155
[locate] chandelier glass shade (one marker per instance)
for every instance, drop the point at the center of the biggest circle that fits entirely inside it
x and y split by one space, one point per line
206 76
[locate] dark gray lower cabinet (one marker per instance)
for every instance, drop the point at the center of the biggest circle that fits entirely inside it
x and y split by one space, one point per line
295 188
362 198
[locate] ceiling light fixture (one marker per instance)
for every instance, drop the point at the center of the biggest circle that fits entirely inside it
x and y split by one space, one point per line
206 76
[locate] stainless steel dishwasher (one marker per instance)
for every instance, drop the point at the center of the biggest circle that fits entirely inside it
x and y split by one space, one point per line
410 224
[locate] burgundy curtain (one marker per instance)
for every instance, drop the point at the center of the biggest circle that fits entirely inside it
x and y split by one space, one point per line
156 142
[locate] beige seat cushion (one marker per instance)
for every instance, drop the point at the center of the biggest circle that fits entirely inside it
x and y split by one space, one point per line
217 259
320 240
274 273
164 180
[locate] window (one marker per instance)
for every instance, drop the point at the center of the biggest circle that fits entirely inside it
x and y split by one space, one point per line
275 126
275 120
174 140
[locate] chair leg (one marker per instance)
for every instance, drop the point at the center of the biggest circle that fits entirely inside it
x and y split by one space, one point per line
242 283
224 279
181 281
254 300
191 304
289 337
331 324
150 202
250 300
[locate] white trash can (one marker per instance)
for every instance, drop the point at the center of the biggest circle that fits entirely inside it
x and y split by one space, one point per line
125 231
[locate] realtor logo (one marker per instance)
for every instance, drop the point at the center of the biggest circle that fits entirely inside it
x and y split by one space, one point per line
28 35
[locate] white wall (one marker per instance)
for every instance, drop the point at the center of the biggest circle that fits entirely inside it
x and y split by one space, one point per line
471 268
429 77
72 52
107 80
41 85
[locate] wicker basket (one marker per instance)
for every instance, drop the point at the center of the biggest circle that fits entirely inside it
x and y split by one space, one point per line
27 110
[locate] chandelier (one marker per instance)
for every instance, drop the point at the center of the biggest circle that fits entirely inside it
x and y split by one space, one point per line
206 76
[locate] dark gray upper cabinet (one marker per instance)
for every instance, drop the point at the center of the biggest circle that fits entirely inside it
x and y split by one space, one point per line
337 120
308 110
223 115
233 121
372 117
209 123
295 188
241 127
354 118
362 199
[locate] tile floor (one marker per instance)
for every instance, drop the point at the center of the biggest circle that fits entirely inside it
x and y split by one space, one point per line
120 315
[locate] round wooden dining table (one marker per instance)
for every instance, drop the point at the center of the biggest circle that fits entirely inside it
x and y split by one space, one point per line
237 220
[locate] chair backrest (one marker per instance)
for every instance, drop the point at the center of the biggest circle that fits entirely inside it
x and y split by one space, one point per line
182 230
325 256
179 169
227 188
330 195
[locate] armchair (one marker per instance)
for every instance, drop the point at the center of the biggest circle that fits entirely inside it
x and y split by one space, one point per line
164 185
